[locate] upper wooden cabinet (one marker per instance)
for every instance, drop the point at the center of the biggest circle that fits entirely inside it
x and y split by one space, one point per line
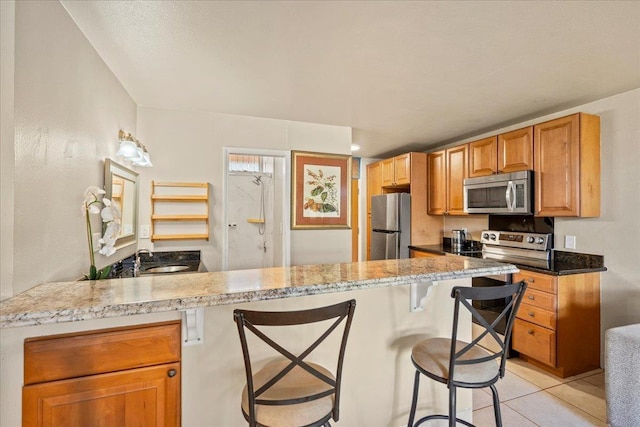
515 150
567 166
447 170
396 171
508 152
483 157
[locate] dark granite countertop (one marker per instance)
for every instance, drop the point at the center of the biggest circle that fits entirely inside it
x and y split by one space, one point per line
125 268
562 262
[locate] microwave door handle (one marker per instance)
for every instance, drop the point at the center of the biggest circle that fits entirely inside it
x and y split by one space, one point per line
508 196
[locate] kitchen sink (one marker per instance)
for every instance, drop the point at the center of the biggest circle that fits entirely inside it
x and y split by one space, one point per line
166 269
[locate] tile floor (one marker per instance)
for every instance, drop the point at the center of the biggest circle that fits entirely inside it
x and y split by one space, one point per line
531 397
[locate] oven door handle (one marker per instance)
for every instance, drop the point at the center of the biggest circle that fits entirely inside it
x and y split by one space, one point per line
510 188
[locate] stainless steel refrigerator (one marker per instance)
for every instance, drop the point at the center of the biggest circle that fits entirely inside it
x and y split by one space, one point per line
390 226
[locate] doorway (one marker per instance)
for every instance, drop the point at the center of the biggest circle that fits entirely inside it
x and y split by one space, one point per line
256 208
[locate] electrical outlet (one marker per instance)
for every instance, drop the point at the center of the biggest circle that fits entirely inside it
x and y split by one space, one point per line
570 242
95 237
144 231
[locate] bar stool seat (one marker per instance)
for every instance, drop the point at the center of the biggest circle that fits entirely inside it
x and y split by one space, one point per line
432 356
296 384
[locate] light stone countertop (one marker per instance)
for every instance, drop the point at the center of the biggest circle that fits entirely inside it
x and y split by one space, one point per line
74 301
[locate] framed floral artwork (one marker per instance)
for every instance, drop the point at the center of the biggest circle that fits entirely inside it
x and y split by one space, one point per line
320 190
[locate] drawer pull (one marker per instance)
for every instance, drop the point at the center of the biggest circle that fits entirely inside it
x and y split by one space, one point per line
532 314
531 297
171 373
530 280
530 332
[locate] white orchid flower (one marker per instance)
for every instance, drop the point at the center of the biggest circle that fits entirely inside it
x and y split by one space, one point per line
91 199
109 238
110 212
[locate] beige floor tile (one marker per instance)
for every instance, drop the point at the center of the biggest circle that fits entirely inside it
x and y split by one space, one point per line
485 418
540 377
586 396
481 399
532 374
546 410
597 380
513 386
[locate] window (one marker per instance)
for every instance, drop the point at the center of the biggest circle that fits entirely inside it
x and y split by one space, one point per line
250 164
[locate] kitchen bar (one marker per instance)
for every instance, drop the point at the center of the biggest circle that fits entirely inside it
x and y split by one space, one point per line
378 374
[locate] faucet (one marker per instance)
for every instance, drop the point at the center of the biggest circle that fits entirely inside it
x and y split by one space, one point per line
136 265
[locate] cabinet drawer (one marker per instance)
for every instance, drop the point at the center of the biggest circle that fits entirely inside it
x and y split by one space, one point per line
541 282
534 341
537 315
539 299
109 350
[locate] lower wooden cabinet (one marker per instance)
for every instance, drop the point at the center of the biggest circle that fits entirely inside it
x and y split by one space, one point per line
134 397
557 326
120 377
420 254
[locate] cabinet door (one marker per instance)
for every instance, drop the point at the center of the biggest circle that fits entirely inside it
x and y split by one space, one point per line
388 177
436 183
457 171
515 150
556 160
483 159
374 187
402 169
135 397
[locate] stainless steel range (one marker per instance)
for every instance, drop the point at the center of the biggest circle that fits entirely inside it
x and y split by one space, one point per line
529 249
520 248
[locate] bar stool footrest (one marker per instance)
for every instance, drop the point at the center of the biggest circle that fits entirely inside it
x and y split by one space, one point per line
440 417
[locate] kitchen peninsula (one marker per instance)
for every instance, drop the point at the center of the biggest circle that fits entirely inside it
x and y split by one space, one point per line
378 371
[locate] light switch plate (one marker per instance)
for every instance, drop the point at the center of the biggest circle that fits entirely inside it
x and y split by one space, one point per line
144 231
570 242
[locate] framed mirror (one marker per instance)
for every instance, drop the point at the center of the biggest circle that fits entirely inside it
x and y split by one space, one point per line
121 187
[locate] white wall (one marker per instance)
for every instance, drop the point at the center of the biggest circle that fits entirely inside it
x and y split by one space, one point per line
7 156
616 233
188 146
68 110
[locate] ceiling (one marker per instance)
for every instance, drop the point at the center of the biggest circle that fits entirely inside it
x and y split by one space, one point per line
404 75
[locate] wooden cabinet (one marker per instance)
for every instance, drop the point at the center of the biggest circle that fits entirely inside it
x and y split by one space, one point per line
437 183
505 153
114 377
515 150
447 170
483 157
557 326
567 166
420 254
396 171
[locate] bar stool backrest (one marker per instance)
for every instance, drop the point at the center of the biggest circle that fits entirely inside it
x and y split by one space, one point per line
464 297
251 320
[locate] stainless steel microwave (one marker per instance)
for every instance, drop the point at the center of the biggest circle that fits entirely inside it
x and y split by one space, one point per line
509 193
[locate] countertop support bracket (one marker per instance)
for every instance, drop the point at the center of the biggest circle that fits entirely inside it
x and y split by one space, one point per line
193 326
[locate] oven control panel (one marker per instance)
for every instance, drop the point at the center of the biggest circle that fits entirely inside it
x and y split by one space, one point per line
535 241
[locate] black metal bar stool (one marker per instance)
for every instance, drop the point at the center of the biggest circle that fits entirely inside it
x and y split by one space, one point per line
290 391
460 364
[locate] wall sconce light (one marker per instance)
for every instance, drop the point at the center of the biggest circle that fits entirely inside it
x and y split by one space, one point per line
133 150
